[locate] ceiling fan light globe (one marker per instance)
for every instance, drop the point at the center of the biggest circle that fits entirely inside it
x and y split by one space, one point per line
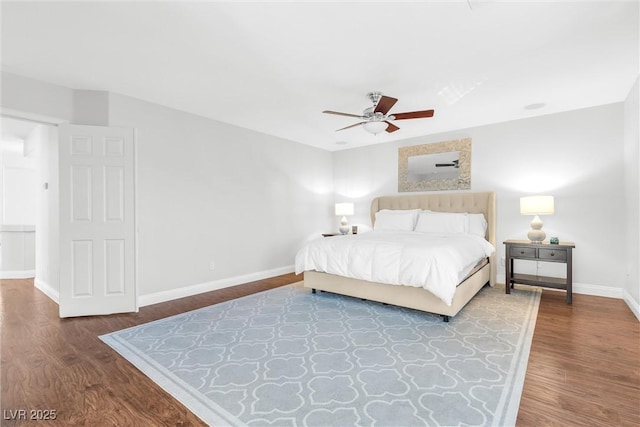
375 127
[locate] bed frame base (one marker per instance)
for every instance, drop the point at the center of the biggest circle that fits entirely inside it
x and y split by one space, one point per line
404 296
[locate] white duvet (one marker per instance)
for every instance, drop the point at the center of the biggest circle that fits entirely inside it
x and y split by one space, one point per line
432 261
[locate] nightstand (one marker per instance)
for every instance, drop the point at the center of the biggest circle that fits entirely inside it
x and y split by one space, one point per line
526 250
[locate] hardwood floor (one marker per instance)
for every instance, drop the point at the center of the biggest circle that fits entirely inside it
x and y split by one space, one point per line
584 366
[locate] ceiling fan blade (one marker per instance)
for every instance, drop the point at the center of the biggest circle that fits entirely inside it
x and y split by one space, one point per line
413 115
351 126
391 127
337 113
384 104
439 165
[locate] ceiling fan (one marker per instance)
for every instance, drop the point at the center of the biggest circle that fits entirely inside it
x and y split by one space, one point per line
453 163
376 118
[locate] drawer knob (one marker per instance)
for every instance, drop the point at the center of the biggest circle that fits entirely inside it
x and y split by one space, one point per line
552 253
521 252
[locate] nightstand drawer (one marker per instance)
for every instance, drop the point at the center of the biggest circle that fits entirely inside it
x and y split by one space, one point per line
522 251
553 254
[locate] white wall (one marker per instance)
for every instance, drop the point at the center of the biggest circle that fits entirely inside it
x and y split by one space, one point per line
39 100
17 189
575 156
91 107
208 191
632 195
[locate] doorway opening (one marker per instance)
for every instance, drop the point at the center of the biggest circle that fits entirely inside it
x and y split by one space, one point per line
28 202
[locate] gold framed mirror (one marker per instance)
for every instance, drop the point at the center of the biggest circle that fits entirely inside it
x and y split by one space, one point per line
439 166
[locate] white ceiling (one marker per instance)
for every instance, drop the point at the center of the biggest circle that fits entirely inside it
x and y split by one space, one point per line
275 66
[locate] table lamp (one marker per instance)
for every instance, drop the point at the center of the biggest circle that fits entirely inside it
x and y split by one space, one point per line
536 205
344 209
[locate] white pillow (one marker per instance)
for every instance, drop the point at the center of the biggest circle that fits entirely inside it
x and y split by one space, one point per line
396 220
477 225
442 222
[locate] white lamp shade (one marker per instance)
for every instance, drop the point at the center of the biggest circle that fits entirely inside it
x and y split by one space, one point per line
344 209
536 205
375 127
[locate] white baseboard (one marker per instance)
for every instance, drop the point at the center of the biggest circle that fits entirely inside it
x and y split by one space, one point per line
597 290
158 297
47 290
586 289
17 274
632 303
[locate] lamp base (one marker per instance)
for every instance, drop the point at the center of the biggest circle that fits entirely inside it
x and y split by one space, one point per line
344 227
536 235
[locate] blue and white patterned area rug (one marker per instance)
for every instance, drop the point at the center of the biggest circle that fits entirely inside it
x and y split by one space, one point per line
288 357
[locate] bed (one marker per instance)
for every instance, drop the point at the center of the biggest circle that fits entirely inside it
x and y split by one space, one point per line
410 296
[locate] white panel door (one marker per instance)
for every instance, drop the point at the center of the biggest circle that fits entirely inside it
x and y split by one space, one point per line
97 224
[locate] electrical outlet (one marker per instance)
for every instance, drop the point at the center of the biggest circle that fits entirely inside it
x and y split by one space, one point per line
212 265
502 261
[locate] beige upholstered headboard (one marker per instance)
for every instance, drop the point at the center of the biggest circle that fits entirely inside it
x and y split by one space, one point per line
484 202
